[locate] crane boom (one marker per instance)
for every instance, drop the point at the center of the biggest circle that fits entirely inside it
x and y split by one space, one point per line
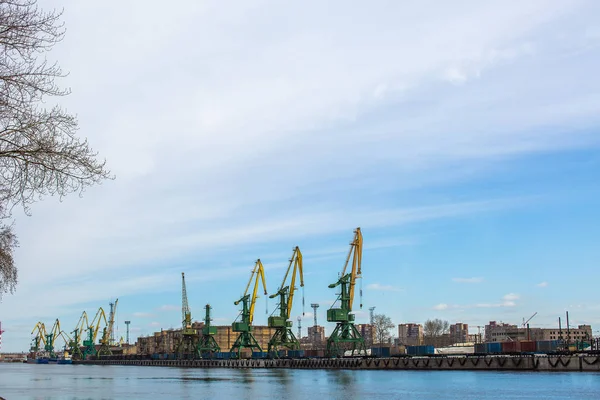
186 314
345 332
257 272
283 335
245 338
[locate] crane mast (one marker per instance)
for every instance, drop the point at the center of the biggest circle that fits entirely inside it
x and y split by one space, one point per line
283 336
187 346
345 333
207 343
75 343
246 339
107 334
92 333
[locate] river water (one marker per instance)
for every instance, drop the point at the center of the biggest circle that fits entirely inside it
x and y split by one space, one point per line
30 381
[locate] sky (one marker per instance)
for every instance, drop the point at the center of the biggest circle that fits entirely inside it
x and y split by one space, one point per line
462 138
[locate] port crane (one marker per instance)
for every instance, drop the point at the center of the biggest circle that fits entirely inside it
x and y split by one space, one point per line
75 342
207 343
107 334
92 333
40 337
283 336
189 336
51 338
345 333
246 339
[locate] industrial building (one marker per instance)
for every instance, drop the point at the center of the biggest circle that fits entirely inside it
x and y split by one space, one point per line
501 332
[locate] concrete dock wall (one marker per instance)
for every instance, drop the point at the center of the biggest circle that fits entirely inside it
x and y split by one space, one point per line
507 363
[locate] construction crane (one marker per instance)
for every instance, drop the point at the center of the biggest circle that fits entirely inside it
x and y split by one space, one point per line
530 318
92 330
207 343
187 346
246 339
345 333
75 343
283 336
526 325
107 334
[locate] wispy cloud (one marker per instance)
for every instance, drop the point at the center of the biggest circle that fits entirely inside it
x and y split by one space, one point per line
143 315
154 324
441 306
169 307
382 287
510 297
542 284
467 280
456 101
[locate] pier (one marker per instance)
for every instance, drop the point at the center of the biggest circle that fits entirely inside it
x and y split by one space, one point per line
559 363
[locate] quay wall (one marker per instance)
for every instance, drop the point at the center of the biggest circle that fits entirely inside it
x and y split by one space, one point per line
588 363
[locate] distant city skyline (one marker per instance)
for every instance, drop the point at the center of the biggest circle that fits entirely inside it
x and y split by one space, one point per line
462 139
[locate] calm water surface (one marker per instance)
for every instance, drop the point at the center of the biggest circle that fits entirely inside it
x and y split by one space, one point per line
29 381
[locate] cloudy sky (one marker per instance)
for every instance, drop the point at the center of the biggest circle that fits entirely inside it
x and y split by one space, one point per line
463 140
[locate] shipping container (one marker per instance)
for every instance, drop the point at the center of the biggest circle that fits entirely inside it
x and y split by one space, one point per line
258 354
481 348
380 351
420 350
494 347
528 346
511 347
546 346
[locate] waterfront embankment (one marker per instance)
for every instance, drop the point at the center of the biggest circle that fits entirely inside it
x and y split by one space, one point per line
577 362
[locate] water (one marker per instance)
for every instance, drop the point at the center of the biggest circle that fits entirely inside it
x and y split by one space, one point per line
28 381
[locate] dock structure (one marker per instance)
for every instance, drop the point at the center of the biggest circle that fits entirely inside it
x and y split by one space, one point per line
560 363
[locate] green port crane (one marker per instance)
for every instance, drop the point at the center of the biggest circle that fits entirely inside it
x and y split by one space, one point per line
283 336
187 346
75 343
51 337
246 339
92 334
107 339
207 343
345 333
40 337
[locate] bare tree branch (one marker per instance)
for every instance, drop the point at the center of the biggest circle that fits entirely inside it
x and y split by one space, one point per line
40 153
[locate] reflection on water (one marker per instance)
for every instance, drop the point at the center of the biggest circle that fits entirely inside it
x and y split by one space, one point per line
23 381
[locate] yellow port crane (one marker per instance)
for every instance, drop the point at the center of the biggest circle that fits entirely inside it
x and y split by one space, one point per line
244 327
107 339
93 328
283 336
345 333
40 337
188 344
75 343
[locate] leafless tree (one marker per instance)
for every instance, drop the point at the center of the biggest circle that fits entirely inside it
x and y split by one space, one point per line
40 153
435 327
382 324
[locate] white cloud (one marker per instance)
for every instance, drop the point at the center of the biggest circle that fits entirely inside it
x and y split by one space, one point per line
441 306
382 288
154 324
242 110
510 297
169 307
467 280
143 315
542 284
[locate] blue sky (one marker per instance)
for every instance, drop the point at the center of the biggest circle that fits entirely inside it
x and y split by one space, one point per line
461 138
